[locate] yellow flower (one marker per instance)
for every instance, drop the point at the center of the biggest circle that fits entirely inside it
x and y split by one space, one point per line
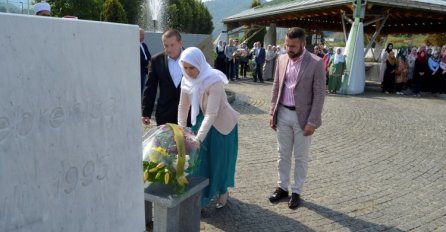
153 157
161 150
182 180
146 176
166 178
159 166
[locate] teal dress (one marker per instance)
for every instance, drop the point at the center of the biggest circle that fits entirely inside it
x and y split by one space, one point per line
217 158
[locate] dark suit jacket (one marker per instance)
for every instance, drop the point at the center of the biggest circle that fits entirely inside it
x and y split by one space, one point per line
260 58
169 95
144 62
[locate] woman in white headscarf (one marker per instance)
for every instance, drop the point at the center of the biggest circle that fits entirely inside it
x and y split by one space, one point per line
268 67
214 121
336 67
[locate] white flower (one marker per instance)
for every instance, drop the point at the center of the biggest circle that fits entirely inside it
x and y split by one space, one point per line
186 164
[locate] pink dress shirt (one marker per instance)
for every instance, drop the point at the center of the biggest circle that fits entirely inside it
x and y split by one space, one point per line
292 74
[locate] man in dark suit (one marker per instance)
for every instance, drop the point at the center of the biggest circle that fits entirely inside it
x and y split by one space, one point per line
259 54
144 57
166 74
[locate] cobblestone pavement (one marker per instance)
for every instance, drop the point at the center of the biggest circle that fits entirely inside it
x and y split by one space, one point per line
378 163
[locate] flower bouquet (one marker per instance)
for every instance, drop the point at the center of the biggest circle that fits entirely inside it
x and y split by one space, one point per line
169 154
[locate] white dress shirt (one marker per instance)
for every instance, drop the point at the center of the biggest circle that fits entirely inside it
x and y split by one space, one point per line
175 70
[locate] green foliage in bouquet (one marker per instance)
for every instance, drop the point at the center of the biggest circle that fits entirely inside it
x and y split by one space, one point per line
169 154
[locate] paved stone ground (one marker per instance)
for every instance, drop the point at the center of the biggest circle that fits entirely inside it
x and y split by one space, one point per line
378 163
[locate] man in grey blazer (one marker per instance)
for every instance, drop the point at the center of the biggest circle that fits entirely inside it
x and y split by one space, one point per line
296 107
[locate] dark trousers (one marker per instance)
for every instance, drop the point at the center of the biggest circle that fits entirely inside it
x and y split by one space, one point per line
416 85
227 68
443 83
258 72
143 81
231 71
243 68
399 87
236 64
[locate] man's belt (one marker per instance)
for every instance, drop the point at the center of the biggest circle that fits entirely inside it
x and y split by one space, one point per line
289 107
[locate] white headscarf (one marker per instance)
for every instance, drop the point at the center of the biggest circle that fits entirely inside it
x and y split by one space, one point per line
339 58
206 77
41 6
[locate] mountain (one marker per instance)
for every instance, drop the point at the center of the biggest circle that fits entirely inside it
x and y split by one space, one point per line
221 9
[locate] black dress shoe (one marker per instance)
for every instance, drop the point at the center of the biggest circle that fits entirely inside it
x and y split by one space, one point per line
278 195
294 201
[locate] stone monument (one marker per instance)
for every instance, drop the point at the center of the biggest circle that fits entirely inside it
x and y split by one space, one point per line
70 132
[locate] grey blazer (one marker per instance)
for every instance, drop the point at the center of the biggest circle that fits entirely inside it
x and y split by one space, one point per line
309 92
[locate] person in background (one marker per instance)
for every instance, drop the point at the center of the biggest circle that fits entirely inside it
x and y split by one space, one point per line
442 71
214 121
268 67
244 59
411 65
433 74
296 107
42 9
165 74
429 52
337 66
220 60
236 55
419 72
229 53
317 51
327 58
400 75
144 58
382 67
280 50
389 75
259 55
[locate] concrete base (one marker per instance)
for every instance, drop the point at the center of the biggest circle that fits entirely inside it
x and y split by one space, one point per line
169 208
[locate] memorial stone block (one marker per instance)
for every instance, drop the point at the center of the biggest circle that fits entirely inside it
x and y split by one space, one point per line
70 132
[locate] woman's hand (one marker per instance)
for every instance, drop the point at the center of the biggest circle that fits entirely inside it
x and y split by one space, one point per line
196 141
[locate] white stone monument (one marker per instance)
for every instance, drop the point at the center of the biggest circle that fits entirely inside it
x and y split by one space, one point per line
70 132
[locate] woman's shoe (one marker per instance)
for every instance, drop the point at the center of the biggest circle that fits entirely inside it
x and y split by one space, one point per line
222 200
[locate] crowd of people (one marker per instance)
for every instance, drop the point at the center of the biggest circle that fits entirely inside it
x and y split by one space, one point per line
262 62
235 60
413 70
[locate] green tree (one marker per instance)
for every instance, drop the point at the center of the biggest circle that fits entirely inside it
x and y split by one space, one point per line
173 16
206 20
112 11
259 32
91 9
190 16
83 9
255 3
435 40
132 9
